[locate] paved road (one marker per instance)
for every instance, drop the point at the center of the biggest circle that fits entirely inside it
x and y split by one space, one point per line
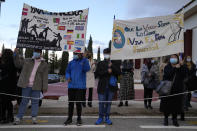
51 123
57 90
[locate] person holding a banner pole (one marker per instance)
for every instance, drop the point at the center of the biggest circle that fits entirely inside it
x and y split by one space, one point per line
33 79
107 72
76 77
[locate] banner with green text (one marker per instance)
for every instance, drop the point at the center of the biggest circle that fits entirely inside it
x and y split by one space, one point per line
147 37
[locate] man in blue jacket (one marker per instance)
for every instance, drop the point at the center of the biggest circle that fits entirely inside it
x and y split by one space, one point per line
76 77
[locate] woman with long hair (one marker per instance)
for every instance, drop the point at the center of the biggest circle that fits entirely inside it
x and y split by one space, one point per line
191 68
8 85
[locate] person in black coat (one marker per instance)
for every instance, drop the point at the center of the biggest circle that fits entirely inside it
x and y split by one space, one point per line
8 85
173 104
105 70
191 72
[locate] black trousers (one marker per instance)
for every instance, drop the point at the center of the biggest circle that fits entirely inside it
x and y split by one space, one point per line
148 93
174 116
6 110
1 110
89 96
75 95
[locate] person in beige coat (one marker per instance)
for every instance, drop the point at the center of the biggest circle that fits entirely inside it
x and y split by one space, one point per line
90 78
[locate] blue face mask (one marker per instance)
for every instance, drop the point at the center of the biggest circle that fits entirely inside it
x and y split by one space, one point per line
173 60
36 55
75 57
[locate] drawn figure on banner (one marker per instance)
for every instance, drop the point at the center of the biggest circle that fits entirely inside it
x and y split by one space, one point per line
176 31
45 32
59 38
34 29
119 38
24 26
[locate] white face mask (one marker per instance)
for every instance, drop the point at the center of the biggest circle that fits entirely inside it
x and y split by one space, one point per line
106 56
188 59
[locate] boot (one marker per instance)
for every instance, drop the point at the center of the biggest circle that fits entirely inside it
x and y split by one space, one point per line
145 104
121 104
68 121
126 103
165 121
90 104
182 117
79 121
175 123
150 107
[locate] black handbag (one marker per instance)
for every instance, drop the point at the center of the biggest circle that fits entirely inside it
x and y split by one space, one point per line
191 83
164 88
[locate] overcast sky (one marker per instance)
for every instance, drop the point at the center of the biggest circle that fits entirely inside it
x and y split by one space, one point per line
101 13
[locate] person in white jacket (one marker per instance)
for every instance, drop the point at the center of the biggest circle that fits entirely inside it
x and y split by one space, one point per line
90 79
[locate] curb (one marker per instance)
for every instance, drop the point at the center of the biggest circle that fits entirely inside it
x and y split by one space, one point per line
122 111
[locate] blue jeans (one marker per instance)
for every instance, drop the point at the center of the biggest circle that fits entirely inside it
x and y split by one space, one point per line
105 107
28 92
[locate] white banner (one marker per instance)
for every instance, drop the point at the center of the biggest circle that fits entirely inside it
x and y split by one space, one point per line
147 37
40 29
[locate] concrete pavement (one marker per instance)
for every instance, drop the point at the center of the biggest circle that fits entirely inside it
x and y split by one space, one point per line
50 123
135 108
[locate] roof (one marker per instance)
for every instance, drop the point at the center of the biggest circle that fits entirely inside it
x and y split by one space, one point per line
188 4
189 9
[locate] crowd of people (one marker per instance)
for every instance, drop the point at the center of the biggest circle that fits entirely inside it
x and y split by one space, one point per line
29 78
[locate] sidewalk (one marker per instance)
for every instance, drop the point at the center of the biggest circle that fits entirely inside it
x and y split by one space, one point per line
135 108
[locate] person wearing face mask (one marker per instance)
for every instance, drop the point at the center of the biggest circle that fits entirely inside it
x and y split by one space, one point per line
33 79
90 79
76 77
176 72
107 73
191 68
127 91
149 79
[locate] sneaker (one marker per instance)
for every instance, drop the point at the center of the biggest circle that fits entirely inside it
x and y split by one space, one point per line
34 120
108 121
17 121
68 121
99 121
79 121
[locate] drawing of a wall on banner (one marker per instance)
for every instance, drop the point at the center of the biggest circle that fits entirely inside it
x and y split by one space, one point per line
40 29
147 37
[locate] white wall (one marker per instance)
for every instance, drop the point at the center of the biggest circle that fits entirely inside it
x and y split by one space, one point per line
194 44
191 22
